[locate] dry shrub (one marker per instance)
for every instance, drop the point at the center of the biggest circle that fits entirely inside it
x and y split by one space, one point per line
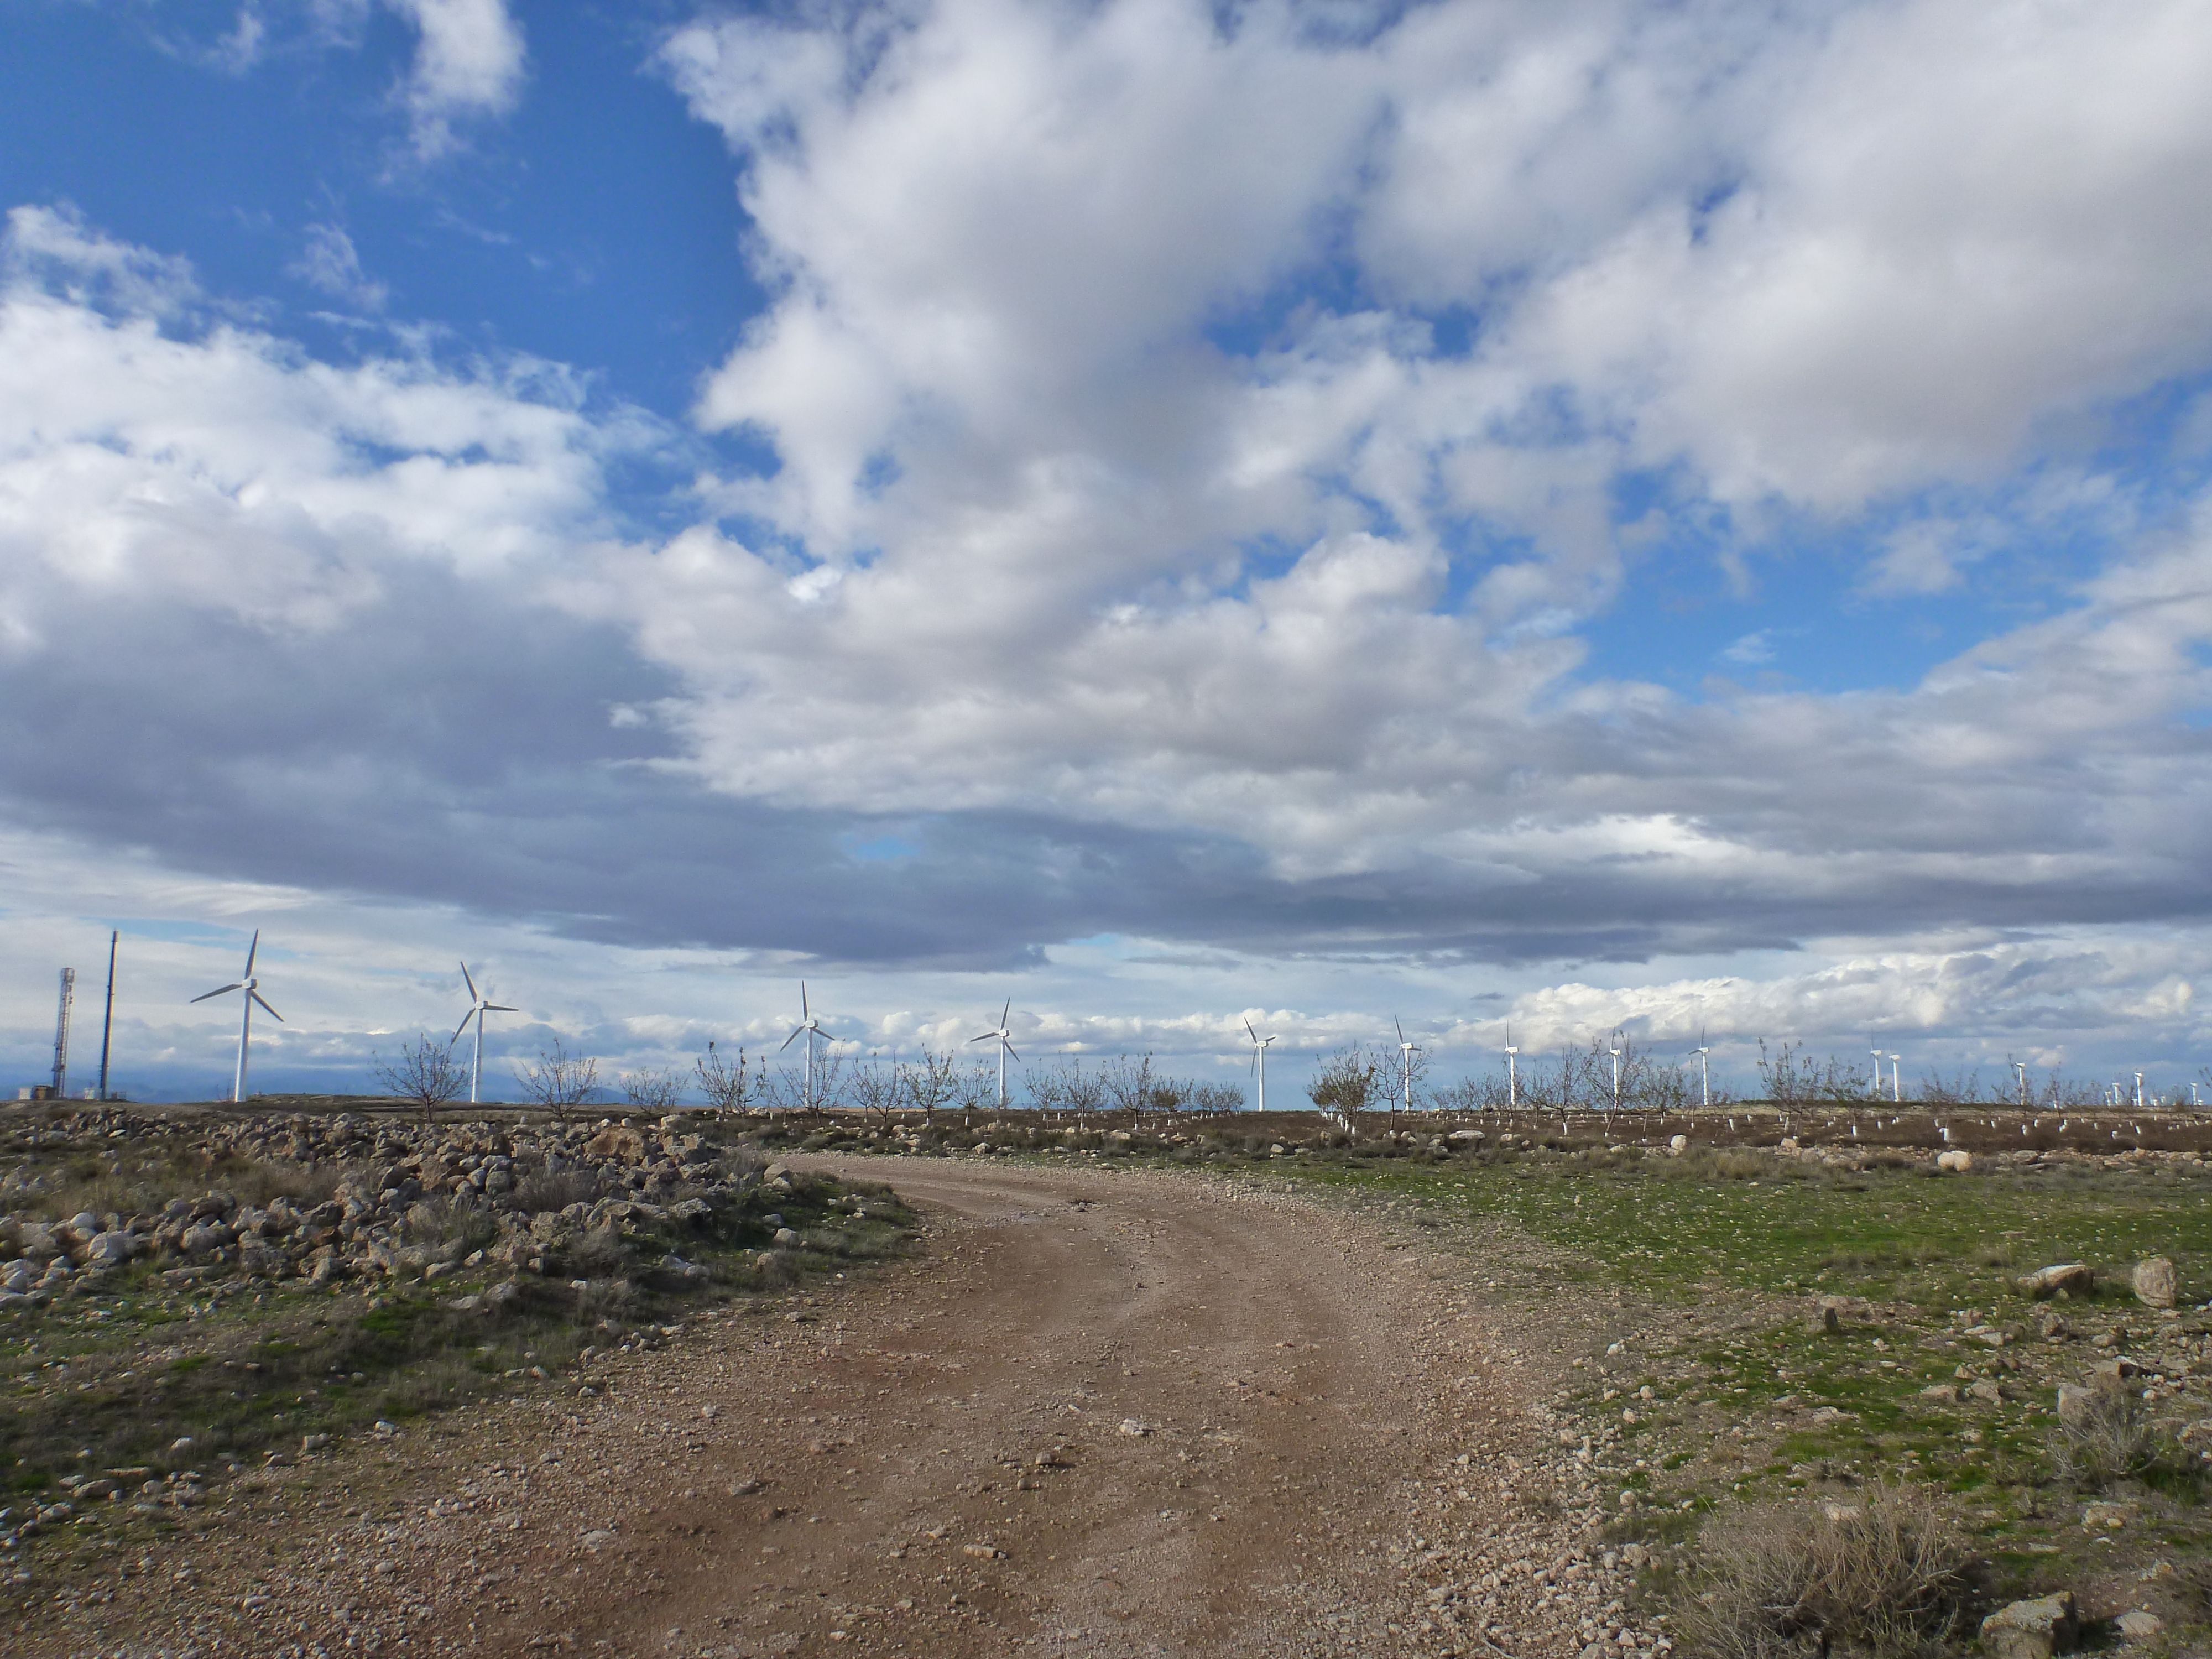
445 1220
2112 1442
1886 1578
539 1190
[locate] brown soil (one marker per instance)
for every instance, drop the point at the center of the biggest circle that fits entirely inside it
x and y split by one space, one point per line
1099 1414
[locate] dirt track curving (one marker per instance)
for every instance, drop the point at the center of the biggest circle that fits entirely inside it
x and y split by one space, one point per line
1102 1413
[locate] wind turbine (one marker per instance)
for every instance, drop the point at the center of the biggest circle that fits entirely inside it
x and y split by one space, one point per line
1259 1060
810 1027
1512 1076
1875 1090
1896 1082
2139 1091
477 1010
1704 1071
1005 1034
1406 1053
252 987
1615 1053
2021 1066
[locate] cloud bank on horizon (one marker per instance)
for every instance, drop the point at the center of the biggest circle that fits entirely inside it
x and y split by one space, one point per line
1621 516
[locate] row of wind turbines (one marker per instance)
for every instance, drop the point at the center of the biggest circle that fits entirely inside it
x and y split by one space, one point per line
479 1006
810 1027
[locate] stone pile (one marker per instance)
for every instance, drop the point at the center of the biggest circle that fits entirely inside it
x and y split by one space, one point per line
376 1200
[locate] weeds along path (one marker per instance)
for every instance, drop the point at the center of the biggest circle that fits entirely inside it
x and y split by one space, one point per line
1101 1413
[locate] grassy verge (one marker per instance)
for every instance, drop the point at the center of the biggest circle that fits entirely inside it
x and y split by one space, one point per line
1939 1376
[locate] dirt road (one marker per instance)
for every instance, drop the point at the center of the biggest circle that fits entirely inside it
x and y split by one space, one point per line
1101 1413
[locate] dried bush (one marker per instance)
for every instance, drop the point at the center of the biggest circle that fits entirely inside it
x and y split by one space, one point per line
557 1079
544 1190
444 1220
2112 1442
425 1073
730 1088
1887 1575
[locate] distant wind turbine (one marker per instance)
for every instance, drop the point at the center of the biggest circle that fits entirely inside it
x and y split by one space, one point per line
1876 1089
1896 1082
2020 1067
478 1008
810 1027
2139 1091
1512 1076
1615 1053
1406 1053
1704 1071
1005 1035
252 987
1259 1060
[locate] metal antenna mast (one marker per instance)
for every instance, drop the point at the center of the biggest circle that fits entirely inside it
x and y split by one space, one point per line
61 1034
107 1020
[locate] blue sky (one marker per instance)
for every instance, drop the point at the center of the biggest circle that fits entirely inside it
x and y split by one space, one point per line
1664 518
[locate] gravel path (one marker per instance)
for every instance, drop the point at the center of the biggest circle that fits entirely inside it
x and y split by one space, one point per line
1101 1413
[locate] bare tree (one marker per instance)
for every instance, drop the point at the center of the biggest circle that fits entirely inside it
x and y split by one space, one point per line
654 1088
558 1080
730 1088
426 1073
1346 1083
931 1081
875 1086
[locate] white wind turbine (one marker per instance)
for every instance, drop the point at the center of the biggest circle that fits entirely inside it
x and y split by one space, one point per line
1260 1060
252 987
478 1008
810 1027
1406 1053
2021 1066
1512 1076
1704 1071
1875 1090
1005 1035
1615 1053
1896 1082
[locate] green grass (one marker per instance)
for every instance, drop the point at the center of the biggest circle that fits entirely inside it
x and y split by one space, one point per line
1668 1226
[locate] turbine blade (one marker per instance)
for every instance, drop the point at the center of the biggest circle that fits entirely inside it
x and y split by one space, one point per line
788 1040
803 1013
1004 1012
219 990
499 1008
470 984
250 952
1250 1032
264 1001
1401 1029
986 1037
1013 1051
462 1027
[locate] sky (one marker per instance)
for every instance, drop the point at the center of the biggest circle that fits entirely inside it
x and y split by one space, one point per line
1527 521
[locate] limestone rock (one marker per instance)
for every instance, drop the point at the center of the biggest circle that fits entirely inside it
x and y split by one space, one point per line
2075 1403
2153 1282
1954 1162
2032 1630
2137 1625
2074 1277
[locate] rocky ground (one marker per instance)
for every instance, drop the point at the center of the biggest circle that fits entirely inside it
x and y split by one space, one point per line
1142 1389
1103 1411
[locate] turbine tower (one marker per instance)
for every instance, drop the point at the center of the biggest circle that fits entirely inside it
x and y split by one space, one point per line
61 1033
1512 1076
251 987
478 1009
1704 1071
1005 1038
1875 1088
1406 1053
809 1026
1259 1060
1615 1053
2021 1066
1896 1082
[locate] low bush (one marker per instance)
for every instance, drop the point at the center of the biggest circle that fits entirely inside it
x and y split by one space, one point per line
1883 1575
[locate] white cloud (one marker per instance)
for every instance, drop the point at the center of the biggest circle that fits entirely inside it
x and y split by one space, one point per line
468 62
328 260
